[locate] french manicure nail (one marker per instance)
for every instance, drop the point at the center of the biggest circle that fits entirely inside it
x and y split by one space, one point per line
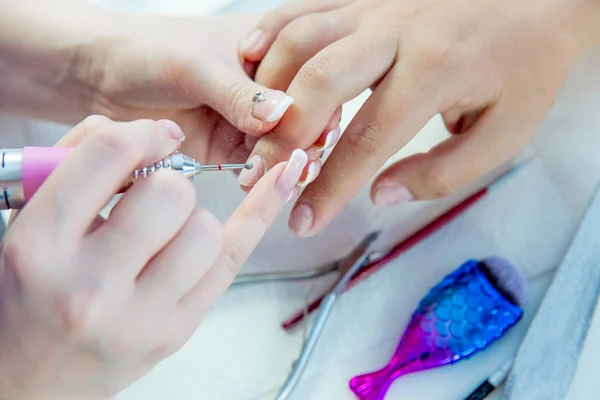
249 177
390 193
291 174
311 173
252 41
174 130
328 141
269 106
302 219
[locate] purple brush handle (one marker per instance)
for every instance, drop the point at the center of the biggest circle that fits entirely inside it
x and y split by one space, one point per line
463 314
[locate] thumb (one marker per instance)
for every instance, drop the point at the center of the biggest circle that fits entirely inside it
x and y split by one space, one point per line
250 107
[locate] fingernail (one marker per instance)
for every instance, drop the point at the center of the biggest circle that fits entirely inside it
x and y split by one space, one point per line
249 177
174 130
294 194
301 219
389 193
329 140
269 106
252 41
311 173
291 174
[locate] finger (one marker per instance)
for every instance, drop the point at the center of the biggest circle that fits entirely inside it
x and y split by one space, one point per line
453 164
245 228
328 138
73 195
184 261
256 44
298 42
326 141
336 75
252 108
227 145
147 217
399 108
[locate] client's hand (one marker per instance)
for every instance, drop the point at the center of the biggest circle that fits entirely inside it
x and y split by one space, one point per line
89 305
492 68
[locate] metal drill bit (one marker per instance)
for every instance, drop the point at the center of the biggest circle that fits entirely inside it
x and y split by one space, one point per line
221 167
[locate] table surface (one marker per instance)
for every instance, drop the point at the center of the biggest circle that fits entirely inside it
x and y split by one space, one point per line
240 352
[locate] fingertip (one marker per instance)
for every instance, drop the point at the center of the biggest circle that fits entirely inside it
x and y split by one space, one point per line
389 193
173 129
249 177
301 219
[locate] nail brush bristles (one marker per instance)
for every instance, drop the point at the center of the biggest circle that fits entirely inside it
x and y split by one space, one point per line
506 278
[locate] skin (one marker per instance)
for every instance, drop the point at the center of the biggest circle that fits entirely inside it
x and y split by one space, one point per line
88 305
99 302
492 72
82 60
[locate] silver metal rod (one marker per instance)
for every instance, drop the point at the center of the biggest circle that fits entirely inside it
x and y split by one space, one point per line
264 277
222 167
360 256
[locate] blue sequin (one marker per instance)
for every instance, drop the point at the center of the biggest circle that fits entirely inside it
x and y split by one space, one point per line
441 328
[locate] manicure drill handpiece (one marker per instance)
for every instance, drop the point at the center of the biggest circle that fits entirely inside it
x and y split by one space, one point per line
189 167
24 170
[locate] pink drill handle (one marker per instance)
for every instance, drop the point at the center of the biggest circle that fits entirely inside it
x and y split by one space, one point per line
37 164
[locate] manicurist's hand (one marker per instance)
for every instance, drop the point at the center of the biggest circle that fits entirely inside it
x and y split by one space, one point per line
492 68
88 305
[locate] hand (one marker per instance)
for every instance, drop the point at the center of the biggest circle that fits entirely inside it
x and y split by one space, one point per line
89 305
492 68
187 70
82 60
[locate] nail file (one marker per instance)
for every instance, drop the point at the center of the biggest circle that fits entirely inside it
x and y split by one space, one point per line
549 355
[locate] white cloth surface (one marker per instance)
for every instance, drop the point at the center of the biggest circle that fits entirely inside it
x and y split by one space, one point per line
241 353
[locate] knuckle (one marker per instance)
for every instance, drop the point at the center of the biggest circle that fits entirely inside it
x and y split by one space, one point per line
365 139
95 122
22 259
437 181
79 312
117 143
274 20
290 38
173 189
309 31
318 74
437 55
147 127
